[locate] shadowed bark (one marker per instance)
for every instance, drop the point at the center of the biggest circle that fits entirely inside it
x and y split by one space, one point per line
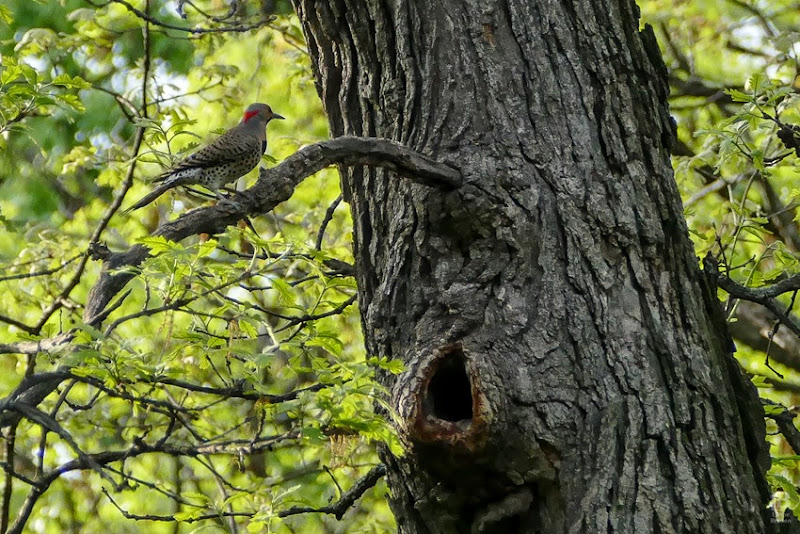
568 366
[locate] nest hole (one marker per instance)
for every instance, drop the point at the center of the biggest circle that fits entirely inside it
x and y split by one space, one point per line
450 391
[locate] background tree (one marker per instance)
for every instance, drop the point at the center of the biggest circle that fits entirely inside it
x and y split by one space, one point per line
566 361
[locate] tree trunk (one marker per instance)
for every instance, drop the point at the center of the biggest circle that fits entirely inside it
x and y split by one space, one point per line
568 368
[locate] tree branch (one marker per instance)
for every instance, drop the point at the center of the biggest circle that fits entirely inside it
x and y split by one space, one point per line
347 499
50 424
274 186
326 220
766 297
238 391
44 272
8 485
754 326
338 509
155 22
87 461
785 421
31 391
35 347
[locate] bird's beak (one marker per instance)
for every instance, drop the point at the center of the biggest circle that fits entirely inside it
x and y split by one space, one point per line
276 116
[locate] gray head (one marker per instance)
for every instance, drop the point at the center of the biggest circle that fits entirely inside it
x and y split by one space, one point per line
260 113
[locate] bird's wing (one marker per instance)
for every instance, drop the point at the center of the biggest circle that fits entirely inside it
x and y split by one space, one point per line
229 147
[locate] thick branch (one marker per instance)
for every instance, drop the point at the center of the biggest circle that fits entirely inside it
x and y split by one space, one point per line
31 391
760 294
353 151
274 186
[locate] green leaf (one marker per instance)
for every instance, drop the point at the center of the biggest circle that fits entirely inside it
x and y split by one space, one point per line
186 515
9 74
71 82
287 295
739 96
71 101
5 14
206 248
393 366
773 409
161 244
328 342
313 433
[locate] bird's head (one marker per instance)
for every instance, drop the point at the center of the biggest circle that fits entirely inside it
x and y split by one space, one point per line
259 112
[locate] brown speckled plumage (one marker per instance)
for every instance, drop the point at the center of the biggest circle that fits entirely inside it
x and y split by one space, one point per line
230 156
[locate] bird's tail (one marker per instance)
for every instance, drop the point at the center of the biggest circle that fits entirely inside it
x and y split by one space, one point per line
154 194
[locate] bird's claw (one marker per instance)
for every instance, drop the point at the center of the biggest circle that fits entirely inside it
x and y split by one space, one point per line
229 200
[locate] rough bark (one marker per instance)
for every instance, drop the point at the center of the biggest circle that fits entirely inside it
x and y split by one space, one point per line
568 369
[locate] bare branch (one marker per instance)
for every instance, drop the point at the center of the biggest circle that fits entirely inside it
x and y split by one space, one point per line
8 485
338 509
765 297
307 318
35 347
238 391
40 273
274 186
194 31
13 322
326 220
171 518
347 499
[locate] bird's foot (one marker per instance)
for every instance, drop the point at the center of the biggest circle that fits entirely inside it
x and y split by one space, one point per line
233 203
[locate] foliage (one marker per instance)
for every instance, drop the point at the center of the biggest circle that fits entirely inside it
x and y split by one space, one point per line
734 92
229 389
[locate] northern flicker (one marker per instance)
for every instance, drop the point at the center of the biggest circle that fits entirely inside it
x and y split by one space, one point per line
230 156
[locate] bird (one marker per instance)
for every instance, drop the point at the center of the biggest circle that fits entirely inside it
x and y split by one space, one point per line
232 155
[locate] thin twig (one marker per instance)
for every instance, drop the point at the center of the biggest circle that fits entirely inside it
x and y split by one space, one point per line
194 31
326 220
338 509
40 273
347 499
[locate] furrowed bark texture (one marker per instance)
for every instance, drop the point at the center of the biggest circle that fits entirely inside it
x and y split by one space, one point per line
567 367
